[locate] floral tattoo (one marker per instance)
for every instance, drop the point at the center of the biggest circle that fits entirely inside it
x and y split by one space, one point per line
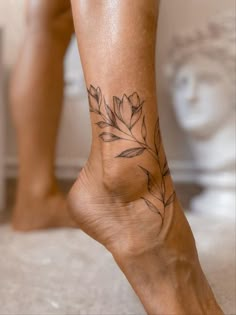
120 119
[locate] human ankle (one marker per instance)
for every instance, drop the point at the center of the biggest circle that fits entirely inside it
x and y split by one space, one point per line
125 181
132 194
124 178
37 188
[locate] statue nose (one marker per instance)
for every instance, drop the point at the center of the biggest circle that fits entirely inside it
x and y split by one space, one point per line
191 93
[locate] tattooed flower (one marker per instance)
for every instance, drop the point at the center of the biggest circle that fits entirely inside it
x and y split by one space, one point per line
95 99
128 109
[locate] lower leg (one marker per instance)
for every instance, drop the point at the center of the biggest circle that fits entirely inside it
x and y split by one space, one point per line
36 102
124 197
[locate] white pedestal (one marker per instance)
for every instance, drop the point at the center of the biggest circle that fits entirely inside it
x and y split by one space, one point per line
218 202
218 197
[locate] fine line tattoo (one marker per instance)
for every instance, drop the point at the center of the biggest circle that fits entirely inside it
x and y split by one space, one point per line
117 123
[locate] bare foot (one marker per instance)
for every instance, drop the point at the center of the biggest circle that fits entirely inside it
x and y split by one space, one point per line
159 260
34 213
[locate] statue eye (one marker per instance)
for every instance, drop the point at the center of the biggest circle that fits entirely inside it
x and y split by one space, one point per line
181 82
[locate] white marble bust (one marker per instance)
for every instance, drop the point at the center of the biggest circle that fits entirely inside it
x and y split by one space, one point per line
202 79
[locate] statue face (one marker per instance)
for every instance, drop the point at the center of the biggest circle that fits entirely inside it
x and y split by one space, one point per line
202 96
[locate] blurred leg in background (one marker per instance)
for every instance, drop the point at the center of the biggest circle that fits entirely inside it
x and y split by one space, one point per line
36 104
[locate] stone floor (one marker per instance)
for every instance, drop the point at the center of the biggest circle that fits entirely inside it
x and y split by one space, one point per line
64 272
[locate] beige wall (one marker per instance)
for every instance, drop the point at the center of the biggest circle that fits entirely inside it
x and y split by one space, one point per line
12 19
175 16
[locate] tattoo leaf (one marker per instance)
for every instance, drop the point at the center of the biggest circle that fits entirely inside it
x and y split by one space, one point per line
130 153
103 124
95 98
157 137
135 117
110 114
152 185
170 199
116 105
144 129
152 207
92 110
108 137
166 170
